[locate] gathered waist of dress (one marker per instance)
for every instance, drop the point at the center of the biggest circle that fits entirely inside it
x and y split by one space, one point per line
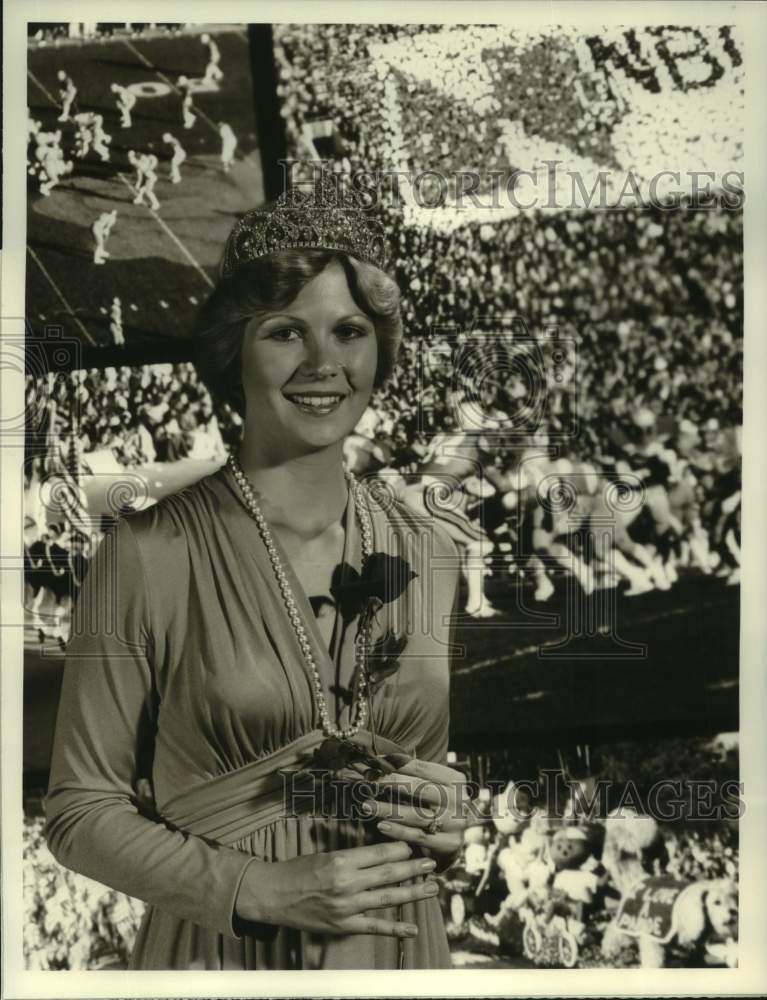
232 805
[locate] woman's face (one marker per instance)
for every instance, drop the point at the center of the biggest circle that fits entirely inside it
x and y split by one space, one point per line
308 370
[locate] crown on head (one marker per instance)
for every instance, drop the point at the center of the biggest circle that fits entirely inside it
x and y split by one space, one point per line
327 216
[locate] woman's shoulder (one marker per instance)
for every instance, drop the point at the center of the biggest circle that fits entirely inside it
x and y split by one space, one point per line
165 528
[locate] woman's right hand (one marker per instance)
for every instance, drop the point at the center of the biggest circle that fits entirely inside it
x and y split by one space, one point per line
333 893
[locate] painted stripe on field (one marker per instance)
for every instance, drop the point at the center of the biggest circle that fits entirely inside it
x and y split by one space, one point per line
496 661
62 299
43 88
184 250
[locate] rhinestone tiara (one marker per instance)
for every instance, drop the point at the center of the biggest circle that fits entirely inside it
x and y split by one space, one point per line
328 216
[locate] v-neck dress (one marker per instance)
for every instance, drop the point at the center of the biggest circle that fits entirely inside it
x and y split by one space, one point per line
183 665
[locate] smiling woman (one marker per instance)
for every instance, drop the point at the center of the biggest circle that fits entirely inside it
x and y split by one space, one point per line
232 653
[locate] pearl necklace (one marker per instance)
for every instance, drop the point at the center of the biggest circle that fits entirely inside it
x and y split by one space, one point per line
359 710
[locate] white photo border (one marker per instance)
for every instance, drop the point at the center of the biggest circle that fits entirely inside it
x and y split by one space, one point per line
751 977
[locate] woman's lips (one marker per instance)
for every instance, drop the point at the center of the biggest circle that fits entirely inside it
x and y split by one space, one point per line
315 404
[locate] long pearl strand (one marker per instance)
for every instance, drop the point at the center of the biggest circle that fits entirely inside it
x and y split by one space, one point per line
359 709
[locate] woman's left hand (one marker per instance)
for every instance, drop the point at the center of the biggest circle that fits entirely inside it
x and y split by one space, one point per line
428 808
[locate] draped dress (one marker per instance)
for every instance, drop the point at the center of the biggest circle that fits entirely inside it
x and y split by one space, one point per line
183 665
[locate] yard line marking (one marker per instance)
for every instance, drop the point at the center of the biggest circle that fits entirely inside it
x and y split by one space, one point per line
44 89
496 661
60 294
172 85
187 253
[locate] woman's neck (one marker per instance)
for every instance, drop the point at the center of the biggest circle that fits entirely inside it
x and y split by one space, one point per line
306 494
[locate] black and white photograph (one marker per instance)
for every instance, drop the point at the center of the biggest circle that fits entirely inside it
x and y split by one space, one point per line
379 416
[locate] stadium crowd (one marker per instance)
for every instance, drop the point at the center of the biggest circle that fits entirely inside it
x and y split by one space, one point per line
155 413
54 33
650 296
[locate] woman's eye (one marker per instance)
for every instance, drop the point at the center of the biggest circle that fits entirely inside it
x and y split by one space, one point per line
284 333
350 332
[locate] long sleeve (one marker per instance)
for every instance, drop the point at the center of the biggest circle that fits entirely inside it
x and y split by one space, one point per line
104 730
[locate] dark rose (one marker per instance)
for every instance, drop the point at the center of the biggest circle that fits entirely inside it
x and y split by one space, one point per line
384 578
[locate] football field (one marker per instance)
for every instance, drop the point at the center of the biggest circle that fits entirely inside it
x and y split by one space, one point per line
162 263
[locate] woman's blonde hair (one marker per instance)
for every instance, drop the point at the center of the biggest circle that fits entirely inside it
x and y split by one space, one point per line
271 283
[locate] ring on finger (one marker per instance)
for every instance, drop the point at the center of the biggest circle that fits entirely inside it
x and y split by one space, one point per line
435 826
